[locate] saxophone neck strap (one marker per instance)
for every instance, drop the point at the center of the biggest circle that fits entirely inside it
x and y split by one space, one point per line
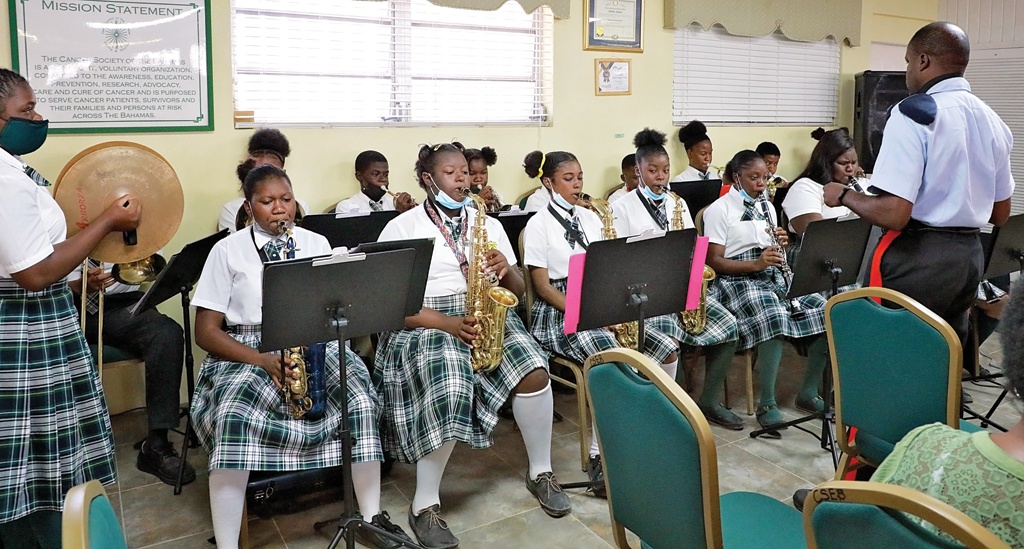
455 243
573 234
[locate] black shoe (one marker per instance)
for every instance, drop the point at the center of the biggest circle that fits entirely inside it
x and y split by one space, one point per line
965 397
719 415
370 538
162 460
596 473
550 495
431 529
799 497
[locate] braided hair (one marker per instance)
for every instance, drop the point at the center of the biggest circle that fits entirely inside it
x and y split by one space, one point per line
10 82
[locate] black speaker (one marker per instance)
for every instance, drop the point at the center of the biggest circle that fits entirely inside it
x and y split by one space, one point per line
877 92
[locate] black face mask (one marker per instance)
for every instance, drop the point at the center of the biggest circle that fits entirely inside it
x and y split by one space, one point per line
22 136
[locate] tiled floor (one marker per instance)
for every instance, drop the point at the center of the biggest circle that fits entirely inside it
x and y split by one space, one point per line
483 494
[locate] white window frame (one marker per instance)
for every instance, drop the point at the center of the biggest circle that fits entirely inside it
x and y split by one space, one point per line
728 80
402 74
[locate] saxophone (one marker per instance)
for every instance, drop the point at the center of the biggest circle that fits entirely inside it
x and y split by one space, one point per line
693 321
487 302
306 392
627 333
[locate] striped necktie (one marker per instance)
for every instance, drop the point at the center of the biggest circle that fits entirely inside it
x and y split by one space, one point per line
92 302
273 249
36 177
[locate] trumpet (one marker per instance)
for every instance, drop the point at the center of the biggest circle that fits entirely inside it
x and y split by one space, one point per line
393 196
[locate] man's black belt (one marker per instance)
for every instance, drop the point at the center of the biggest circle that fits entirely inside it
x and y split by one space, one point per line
915 225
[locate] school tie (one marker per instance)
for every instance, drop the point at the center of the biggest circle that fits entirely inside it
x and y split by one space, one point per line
36 177
92 303
571 234
273 249
376 206
660 216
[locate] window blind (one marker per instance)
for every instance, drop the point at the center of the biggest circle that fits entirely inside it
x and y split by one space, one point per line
395 62
994 75
723 79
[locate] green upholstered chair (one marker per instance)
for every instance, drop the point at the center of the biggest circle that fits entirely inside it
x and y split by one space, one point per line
89 520
524 197
578 383
894 370
661 465
851 515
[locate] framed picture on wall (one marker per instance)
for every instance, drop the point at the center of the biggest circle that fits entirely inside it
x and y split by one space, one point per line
118 66
612 77
613 25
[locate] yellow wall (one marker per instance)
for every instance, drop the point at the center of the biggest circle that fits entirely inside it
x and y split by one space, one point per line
321 162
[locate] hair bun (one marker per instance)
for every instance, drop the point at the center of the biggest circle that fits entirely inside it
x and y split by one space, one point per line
648 138
490 155
532 164
693 130
269 139
818 134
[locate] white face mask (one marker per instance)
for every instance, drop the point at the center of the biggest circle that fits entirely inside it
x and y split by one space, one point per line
557 199
443 199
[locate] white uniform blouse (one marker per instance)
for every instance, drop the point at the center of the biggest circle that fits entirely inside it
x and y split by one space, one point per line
538 200
693 174
544 243
619 193
229 211
31 222
806 197
722 225
445 276
359 202
953 169
232 279
632 217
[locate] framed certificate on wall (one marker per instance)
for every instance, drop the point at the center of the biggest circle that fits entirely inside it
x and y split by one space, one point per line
612 77
613 25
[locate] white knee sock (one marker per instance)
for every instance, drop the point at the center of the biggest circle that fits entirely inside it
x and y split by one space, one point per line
227 497
366 482
429 470
534 413
595 450
670 368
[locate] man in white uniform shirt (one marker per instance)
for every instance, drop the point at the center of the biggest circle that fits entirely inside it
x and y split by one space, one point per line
942 173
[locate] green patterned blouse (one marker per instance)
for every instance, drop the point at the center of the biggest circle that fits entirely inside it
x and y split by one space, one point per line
966 470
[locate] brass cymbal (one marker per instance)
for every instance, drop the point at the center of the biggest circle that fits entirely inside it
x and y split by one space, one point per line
95 177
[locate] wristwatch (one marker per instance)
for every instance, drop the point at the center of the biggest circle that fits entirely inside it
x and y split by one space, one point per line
842 194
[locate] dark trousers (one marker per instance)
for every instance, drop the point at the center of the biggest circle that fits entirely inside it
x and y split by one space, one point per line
940 269
154 338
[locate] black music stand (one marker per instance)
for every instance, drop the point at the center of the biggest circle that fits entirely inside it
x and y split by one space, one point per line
609 295
697 194
1005 255
344 295
349 229
830 256
513 221
179 276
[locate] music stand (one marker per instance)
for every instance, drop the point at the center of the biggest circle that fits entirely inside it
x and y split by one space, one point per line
179 276
655 283
343 295
1004 255
697 194
513 221
349 229
830 256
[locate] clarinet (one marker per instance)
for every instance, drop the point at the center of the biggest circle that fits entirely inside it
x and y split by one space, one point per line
787 272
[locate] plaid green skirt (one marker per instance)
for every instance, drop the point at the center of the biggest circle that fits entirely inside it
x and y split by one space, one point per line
243 423
429 393
548 326
54 427
760 313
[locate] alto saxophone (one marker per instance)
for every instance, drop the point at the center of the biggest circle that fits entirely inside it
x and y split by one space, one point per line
306 392
696 320
487 302
626 334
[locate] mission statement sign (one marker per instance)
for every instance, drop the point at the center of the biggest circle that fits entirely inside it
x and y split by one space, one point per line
116 66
